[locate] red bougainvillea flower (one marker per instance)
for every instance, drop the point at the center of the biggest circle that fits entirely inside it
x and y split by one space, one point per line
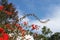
34 27
8 13
23 32
1 38
18 26
1 7
9 27
1 30
25 23
21 29
4 35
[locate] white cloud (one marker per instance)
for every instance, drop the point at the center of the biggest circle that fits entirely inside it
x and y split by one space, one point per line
55 20
54 23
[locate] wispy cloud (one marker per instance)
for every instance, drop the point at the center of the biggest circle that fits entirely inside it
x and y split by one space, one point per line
54 23
52 13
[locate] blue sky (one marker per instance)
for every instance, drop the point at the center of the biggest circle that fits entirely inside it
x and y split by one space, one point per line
39 7
49 9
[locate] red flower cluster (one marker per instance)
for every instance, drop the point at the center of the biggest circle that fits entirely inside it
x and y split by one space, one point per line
1 30
18 26
1 7
23 32
8 13
21 29
9 26
4 35
34 27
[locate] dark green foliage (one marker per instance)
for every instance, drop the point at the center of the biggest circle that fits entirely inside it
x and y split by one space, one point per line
46 33
55 36
10 8
4 17
4 2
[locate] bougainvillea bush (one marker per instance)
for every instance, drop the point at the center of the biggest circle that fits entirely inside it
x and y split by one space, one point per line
11 29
